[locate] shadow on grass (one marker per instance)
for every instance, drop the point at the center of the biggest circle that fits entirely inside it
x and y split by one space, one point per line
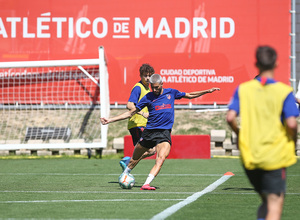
238 189
135 186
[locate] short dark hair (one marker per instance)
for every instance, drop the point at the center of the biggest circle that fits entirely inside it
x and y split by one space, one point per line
265 58
146 68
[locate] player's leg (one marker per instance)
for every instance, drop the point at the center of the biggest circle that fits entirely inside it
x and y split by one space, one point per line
255 177
136 134
146 154
139 150
275 205
149 153
125 161
263 208
163 150
274 182
272 186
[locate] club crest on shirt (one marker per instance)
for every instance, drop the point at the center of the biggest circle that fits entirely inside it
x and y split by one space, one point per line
168 96
163 106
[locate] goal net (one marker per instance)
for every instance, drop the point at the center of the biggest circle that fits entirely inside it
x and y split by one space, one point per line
54 104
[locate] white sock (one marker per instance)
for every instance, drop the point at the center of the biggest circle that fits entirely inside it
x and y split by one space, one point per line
149 179
127 170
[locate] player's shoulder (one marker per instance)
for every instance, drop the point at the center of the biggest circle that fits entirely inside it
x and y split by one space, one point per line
137 87
170 90
283 85
250 84
150 96
251 81
138 84
282 88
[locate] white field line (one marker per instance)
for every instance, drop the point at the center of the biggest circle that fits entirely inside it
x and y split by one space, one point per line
172 209
67 219
91 192
127 192
117 174
247 193
88 200
99 174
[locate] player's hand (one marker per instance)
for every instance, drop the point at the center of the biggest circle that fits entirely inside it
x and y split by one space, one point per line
213 89
104 121
145 114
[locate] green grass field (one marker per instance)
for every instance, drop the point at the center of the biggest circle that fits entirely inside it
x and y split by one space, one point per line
88 189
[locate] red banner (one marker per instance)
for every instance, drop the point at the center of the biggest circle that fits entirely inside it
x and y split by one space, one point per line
183 147
193 44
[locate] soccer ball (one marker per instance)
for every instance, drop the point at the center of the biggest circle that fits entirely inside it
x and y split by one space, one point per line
126 181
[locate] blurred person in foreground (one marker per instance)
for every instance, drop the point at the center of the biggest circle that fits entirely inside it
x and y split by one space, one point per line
267 133
137 123
160 103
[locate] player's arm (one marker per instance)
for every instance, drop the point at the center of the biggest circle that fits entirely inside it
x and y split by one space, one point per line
290 113
131 105
133 100
233 112
292 127
232 121
197 94
120 117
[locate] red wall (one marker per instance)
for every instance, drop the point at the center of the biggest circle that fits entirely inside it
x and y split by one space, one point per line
193 44
183 147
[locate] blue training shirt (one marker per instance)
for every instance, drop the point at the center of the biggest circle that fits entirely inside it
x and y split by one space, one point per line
289 106
161 108
135 94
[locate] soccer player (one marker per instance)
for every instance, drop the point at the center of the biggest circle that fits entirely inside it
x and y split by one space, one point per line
137 122
297 97
267 132
160 103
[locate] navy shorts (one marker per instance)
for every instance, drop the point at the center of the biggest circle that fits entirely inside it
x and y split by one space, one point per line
273 181
136 134
152 137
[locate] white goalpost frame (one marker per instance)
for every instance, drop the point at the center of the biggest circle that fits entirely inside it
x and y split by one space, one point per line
104 99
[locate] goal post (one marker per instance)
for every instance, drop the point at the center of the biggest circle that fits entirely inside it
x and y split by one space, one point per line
54 104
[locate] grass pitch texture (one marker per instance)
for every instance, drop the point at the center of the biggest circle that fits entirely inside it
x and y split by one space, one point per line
89 189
